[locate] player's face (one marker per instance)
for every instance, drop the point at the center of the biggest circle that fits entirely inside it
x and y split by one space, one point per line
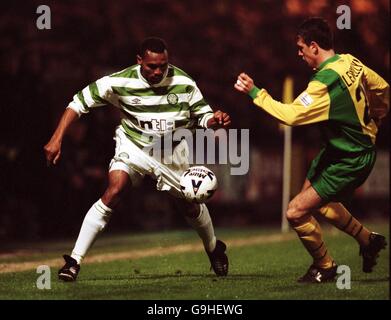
153 66
307 53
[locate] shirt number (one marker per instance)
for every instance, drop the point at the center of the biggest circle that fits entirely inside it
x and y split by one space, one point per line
359 90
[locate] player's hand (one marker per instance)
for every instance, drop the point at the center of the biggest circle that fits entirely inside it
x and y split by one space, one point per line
52 152
378 113
244 83
378 122
378 109
220 119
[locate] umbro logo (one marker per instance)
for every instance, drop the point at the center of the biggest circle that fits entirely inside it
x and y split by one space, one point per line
135 101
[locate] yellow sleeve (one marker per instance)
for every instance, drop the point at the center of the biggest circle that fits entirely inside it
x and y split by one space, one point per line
311 106
378 91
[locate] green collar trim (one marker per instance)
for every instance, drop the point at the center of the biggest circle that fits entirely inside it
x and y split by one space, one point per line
329 60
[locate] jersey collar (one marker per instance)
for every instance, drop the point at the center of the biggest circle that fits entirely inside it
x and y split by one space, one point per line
329 60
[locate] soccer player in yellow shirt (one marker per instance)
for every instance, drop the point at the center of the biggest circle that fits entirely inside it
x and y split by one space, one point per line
348 100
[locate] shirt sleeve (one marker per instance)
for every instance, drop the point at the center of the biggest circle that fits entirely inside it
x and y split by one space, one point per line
311 106
96 94
379 93
199 108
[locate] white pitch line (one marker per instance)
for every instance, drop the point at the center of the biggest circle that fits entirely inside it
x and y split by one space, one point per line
142 253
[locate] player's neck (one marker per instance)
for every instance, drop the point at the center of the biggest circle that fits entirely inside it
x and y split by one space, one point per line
325 55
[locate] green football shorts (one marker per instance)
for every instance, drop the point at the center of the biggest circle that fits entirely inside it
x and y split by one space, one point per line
335 176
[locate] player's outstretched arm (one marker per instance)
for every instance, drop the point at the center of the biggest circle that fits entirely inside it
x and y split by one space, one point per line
244 83
53 148
219 119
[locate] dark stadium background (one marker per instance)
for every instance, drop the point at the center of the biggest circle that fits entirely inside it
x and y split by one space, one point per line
211 40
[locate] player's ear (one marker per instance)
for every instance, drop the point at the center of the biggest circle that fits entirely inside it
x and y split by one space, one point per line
314 47
139 59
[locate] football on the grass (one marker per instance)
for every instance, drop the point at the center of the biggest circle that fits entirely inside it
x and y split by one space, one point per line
198 184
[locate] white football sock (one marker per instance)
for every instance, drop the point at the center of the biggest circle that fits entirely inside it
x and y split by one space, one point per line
204 227
94 222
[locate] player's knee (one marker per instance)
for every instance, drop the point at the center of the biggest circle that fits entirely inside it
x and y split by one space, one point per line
290 214
112 195
189 209
295 211
192 210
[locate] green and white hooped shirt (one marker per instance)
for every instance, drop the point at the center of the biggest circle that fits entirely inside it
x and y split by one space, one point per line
149 111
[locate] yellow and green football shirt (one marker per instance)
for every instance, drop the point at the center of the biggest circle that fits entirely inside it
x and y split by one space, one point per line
340 96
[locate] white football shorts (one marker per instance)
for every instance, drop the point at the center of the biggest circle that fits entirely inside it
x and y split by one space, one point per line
138 163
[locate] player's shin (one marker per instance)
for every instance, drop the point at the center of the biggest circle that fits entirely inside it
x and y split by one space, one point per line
204 227
336 214
94 222
310 234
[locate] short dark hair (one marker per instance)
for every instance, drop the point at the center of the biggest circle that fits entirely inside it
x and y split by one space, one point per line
316 29
153 44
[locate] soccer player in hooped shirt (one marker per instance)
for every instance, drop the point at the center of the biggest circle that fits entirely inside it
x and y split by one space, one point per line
155 98
349 101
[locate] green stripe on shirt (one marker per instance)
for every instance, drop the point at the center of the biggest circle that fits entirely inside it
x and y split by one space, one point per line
130 72
94 91
153 91
183 106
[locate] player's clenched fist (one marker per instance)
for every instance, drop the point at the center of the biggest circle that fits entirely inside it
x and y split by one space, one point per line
52 152
219 119
244 83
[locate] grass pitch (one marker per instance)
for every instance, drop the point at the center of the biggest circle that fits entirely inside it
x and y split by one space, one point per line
264 265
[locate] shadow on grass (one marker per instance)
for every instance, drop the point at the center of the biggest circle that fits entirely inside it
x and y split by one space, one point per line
212 277
372 280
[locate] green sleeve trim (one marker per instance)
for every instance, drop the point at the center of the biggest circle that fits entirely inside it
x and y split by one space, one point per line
254 91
